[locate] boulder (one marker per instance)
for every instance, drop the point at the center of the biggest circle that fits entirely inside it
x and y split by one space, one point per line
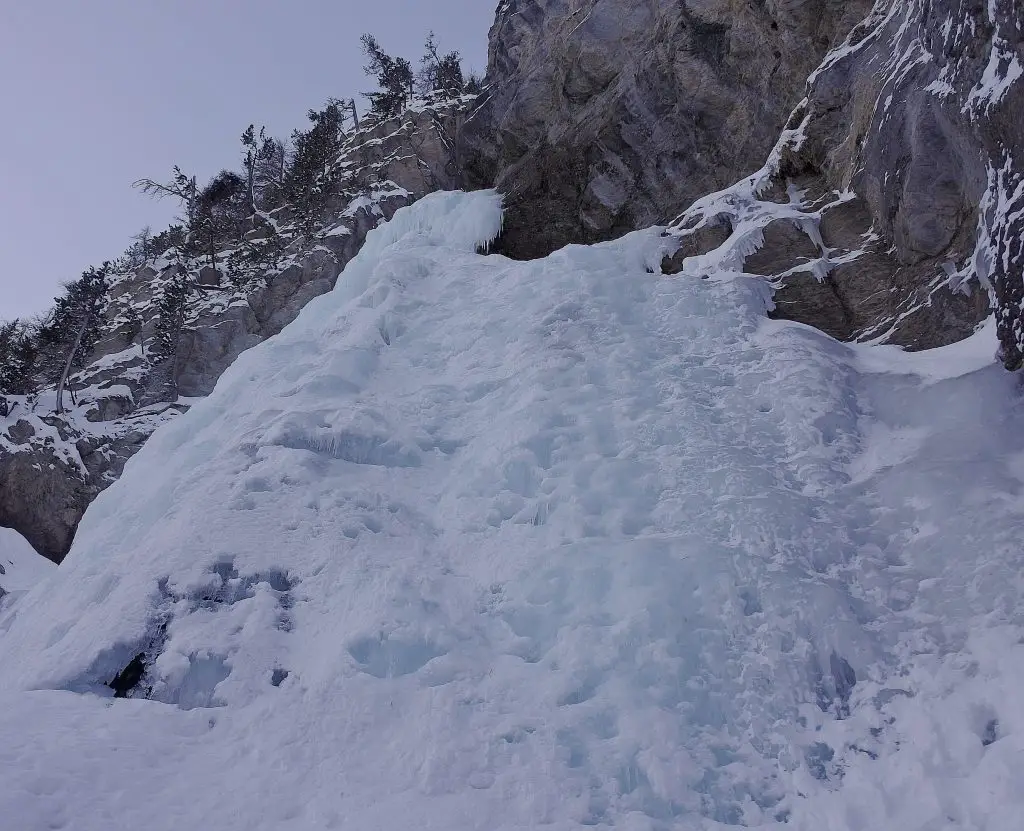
209 276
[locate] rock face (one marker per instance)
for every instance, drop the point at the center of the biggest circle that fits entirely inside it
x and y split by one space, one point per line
892 202
893 205
603 116
52 466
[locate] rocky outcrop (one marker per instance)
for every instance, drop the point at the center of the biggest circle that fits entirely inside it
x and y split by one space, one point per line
52 466
892 202
604 116
893 207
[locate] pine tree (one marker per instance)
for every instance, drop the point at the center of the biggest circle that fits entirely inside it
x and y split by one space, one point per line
220 209
180 186
172 312
173 237
249 155
394 79
269 172
133 328
73 327
140 252
440 74
18 358
310 178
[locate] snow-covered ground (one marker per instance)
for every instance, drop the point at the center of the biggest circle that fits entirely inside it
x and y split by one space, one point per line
482 544
20 566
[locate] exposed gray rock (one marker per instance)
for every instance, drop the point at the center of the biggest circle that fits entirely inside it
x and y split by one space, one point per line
209 276
603 116
902 167
921 114
42 497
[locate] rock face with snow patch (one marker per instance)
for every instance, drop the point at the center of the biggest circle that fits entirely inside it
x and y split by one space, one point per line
895 198
604 116
892 204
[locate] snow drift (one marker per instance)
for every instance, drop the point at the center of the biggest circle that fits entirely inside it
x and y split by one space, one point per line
20 567
486 544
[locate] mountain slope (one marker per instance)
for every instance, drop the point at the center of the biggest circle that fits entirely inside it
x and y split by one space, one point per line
889 208
20 567
555 544
53 465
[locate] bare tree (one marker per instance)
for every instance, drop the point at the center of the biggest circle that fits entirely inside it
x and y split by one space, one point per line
180 187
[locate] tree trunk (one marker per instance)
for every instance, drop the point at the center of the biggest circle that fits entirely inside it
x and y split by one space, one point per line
68 362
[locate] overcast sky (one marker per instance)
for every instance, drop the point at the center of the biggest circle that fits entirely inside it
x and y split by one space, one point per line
97 94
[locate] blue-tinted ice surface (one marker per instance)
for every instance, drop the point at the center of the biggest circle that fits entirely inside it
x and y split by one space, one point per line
483 544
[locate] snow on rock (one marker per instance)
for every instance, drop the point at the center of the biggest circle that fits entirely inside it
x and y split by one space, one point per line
560 544
53 465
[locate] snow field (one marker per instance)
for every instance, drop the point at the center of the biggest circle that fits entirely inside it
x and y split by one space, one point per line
20 566
558 544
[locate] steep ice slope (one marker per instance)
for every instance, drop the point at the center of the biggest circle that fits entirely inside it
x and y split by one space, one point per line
480 544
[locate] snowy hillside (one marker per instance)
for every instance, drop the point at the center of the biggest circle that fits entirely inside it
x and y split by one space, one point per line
20 567
485 544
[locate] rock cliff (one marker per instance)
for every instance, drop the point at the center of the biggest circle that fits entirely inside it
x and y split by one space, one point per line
603 116
892 207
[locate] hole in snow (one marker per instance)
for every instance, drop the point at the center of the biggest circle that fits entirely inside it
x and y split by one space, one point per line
819 756
751 602
388 657
834 689
128 679
353 447
990 733
584 692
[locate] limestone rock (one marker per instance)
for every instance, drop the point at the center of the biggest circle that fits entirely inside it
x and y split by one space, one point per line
41 497
604 116
902 168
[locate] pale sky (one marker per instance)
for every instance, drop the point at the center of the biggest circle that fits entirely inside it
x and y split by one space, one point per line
96 94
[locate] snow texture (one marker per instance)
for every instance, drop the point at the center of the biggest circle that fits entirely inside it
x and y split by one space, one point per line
484 544
20 566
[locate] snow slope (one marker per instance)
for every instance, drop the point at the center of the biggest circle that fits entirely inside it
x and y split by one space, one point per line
20 566
483 544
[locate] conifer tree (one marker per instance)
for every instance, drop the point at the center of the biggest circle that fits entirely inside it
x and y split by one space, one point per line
180 186
18 357
140 252
172 312
133 328
220 209
269 173
264 161
310 179
74 326
440 74
394 76
252 145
